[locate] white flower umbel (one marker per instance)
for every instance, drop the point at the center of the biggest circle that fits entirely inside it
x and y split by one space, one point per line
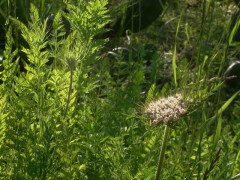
167 109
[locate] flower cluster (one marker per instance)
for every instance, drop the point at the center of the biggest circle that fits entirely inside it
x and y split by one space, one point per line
167 109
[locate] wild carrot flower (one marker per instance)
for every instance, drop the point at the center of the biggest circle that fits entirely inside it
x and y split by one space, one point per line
167 109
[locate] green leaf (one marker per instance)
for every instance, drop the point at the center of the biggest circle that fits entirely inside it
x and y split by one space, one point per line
218 132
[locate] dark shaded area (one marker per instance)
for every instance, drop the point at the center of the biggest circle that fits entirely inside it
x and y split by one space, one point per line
15 9
234 20
232 76
139 15
237 2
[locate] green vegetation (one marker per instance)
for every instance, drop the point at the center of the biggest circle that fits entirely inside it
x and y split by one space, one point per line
91 114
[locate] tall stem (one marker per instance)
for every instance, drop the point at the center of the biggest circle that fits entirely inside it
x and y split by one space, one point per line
69 92
162 153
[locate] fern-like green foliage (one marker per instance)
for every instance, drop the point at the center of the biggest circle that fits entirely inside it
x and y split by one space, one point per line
44 108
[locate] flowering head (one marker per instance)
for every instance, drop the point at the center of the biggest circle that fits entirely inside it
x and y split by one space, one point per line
167 109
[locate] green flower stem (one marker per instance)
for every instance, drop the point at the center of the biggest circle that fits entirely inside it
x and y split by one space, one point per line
162 153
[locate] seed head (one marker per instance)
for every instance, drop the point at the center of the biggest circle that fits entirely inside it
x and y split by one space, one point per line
167 109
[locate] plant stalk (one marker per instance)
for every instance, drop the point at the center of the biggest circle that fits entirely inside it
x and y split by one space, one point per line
69 92
162 153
